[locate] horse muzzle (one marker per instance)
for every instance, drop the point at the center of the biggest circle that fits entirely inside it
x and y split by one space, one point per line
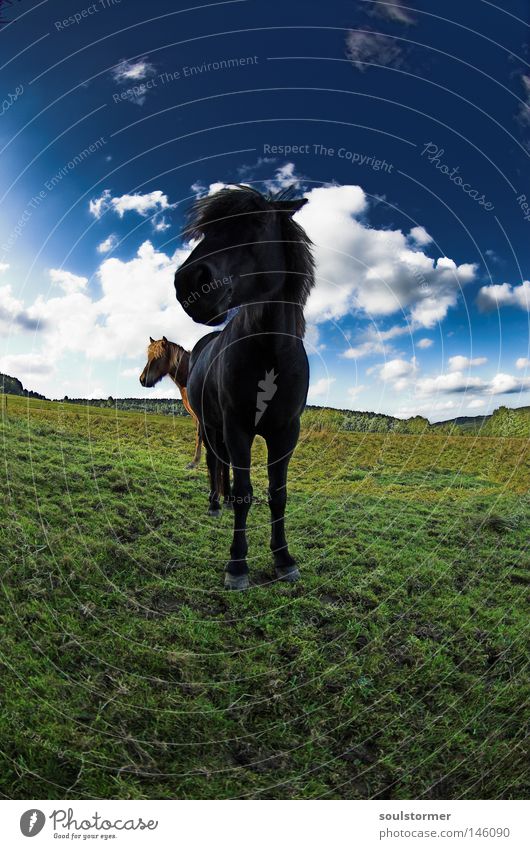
203 294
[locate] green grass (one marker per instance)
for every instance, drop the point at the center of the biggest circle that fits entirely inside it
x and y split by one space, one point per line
394 669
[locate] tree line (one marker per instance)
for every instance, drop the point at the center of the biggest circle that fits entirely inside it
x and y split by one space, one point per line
502 422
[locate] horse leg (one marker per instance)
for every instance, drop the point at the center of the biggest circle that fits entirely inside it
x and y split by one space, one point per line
227 489
198 435
238 444
280 447
198 443
212 462
225 476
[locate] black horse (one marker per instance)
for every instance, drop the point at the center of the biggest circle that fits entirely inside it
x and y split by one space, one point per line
251 377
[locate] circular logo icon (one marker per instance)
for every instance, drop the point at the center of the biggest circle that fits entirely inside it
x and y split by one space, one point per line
31 822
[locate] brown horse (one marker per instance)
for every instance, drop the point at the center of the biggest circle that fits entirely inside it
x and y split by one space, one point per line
168 358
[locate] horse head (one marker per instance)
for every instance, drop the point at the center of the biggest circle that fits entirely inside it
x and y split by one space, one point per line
158 361
247 242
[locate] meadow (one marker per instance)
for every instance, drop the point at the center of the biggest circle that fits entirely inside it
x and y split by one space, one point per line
397 668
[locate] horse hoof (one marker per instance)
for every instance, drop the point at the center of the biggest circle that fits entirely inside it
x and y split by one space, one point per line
214 513
236 582
288 574
192 465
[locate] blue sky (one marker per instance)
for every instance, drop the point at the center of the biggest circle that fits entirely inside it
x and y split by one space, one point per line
407 127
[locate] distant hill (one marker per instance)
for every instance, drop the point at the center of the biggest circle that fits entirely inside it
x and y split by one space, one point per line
13 386
172 407
502 422
465 423
322 418
164 406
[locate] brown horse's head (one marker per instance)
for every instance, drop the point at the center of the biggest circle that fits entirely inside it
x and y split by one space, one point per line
158 361
165 357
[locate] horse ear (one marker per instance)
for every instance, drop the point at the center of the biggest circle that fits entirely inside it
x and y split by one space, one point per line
164 339
290 206
151 339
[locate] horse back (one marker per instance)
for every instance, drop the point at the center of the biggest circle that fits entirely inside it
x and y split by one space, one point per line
200 345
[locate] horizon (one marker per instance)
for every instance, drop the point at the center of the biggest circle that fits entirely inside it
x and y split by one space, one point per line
176 397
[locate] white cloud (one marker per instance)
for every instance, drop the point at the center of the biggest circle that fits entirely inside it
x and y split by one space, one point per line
3 266
364 349
476 403
375 341
135 371
420 236
430 409
522 362
200 190
354 391
312 339
392 332
451 382
366 48
321 387
524 108
97 206
448 279
161 225
247 171
506 384
377 271
137 301
166 389
504 295
13 315
459 363
107 244
67 281
393 369
143 204
393 10
284 178
399 373
133 71
424 343
457 382
25 366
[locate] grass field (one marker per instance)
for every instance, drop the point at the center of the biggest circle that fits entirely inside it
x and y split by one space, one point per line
397 667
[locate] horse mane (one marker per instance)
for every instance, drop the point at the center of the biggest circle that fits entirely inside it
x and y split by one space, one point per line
229 202
237 200
299 261
180 362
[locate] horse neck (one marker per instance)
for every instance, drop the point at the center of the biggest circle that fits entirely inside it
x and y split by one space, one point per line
175 356
281 322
